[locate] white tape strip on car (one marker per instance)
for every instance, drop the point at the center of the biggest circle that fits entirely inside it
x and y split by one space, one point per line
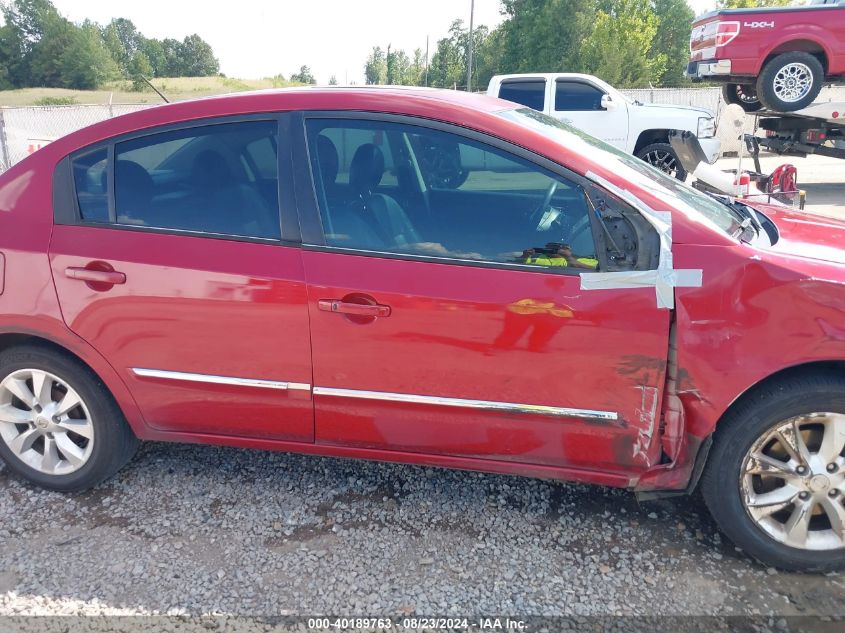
665 279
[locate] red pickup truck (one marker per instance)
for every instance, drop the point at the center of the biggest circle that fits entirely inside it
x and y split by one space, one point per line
776 58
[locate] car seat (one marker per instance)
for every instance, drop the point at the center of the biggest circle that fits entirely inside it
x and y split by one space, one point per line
221 204
133 193
382 212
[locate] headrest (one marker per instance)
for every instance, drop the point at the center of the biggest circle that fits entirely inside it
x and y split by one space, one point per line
133 187
366 169
209 170
327 158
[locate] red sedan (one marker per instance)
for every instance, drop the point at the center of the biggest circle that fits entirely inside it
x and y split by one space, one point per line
426 277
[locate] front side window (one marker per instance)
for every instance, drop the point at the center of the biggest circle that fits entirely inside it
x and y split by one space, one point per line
527 92
631 168
220 179
406 189
577 96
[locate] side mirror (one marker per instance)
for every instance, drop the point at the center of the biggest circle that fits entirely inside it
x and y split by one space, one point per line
607 103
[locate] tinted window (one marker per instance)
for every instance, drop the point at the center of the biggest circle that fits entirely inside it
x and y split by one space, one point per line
444 196
212 179
531 93
260 158
627 166
575 95
89 178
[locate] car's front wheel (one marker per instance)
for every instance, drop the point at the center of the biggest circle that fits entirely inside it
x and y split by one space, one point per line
790 81
59 427
775 480
744 95
662 156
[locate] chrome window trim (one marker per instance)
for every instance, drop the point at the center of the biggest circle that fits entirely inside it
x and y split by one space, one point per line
570 271
487 405
219 380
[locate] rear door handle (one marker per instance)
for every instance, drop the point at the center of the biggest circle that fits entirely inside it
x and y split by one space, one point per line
110 277
358 309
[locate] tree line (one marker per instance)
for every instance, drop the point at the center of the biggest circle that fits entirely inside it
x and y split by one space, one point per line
39 47
628 43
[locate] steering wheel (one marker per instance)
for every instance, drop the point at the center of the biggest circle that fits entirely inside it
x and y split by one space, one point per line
442 163
547 198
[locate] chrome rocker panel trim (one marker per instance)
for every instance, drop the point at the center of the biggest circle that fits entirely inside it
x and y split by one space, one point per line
219 380
487 405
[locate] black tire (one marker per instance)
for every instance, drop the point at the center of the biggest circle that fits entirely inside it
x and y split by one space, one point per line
752 417
766 82
743 95
654 155
114 443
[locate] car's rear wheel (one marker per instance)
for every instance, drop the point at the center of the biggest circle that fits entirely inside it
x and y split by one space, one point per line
59 426
790 81
775 481
662 156
744 95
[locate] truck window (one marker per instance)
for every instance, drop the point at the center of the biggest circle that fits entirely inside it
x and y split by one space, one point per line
577 95
528 92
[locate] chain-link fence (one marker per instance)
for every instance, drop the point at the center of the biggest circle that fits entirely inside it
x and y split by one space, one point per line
23 130
707 98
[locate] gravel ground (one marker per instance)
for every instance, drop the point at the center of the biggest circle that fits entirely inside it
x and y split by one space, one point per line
205 530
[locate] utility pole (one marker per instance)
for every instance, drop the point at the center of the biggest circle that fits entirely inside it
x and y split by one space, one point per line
426 61
469 51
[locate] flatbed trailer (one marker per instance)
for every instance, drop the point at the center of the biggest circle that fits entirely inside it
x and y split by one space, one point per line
817 129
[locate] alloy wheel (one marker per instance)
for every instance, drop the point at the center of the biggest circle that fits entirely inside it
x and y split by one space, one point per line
746 94
793 82
793 482
45 422
663 160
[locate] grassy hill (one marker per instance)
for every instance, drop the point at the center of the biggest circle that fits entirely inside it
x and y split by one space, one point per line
174 88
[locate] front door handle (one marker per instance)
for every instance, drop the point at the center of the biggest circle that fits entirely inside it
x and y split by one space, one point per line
357 309
108 277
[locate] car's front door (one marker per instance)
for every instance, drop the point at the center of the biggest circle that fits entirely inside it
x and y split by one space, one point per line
580 103
168 259
446 310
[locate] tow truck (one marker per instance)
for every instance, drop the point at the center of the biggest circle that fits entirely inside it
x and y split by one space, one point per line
817 129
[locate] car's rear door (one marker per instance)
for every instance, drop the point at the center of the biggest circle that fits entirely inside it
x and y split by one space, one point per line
463 341
528 91
170 259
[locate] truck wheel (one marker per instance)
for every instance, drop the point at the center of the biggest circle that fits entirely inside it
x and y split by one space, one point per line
790 81
662 156
744 95
59 426
775 480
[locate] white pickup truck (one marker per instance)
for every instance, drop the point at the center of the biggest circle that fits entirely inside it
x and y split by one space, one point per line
599 109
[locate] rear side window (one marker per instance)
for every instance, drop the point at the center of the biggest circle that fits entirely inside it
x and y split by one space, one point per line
528 92
260 158
220 179
90 180
577 96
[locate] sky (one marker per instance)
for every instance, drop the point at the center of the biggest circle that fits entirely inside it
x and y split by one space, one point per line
262 38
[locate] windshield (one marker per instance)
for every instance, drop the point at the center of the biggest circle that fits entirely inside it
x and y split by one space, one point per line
644 175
